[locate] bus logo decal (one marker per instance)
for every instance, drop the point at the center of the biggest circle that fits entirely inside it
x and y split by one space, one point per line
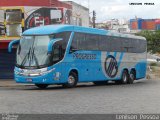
111 66
83 56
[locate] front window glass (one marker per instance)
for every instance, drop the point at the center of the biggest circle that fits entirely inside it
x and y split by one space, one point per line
32 51
41 49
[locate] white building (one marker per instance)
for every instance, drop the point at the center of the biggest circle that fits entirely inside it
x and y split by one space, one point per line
80 14
119 25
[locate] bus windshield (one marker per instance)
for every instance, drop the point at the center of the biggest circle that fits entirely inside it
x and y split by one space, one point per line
32 51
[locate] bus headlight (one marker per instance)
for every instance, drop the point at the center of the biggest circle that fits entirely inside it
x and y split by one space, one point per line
45 71
35 72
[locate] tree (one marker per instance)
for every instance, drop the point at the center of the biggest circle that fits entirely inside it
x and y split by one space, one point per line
153 40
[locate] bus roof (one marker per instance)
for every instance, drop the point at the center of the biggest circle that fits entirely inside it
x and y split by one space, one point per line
51 29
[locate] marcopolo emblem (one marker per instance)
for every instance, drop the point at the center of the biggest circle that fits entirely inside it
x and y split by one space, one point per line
111 66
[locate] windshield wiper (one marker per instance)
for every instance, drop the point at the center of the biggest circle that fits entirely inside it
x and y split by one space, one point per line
33 55
25 58
19 49
30 57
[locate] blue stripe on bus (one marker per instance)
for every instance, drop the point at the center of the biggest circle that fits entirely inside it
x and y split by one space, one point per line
115 54
120 59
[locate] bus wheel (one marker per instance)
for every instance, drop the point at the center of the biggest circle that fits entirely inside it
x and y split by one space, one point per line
132 77
72 80
125 77
41 86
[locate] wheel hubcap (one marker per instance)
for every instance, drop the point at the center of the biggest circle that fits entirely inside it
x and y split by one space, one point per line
132 76
124 78
71 80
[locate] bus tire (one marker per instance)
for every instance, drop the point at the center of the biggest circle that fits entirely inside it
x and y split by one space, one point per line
117 82
100 82
42 86
72 80
125 78
132 77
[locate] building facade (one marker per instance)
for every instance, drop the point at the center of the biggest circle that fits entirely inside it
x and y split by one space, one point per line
80 14
139 24
118 25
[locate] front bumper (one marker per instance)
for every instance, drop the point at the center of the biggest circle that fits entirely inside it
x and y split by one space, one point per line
49 78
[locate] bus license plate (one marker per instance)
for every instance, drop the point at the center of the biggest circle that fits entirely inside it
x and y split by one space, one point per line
29 80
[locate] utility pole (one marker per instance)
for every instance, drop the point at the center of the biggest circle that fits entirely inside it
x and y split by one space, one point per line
94 19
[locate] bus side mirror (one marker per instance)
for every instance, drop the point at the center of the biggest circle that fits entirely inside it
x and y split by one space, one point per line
11 45
51 43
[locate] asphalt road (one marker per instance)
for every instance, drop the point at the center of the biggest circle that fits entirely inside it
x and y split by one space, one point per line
141 97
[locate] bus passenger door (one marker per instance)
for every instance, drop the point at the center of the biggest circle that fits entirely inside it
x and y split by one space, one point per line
57 57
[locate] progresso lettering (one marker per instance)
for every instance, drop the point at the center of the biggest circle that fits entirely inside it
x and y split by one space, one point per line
83 56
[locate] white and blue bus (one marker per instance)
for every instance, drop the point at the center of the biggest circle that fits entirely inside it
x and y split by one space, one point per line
66 55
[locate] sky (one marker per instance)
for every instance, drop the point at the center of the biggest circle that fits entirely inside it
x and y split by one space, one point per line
120 9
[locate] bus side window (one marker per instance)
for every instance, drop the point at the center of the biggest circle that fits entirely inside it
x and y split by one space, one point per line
79 42
136 45
125 45
104 43
58 52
